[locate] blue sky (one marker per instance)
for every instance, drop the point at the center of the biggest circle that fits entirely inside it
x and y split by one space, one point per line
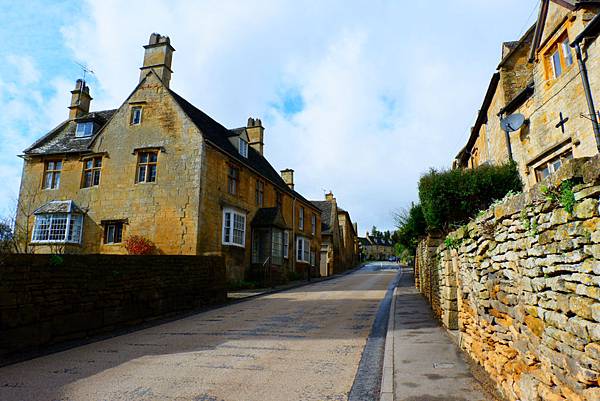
358 97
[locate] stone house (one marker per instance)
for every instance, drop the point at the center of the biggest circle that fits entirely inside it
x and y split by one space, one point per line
160 168
339 247
544 76
373 248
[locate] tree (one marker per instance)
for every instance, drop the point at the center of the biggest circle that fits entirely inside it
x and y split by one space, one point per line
411 227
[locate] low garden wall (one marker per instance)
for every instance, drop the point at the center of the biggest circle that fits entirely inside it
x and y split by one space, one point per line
522 284
47 299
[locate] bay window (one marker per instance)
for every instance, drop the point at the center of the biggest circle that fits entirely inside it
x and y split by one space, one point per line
60 228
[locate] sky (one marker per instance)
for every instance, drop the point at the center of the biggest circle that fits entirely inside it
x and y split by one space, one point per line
358 97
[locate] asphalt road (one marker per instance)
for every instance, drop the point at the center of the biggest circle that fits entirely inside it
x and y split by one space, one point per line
301 344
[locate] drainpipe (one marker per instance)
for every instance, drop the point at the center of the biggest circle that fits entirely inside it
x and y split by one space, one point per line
588 92
294 234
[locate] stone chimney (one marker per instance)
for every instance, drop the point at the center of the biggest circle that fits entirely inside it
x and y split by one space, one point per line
158 55
329 197
288 177
80 100
256 134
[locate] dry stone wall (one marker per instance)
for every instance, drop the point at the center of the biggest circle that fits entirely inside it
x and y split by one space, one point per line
47 299
522 284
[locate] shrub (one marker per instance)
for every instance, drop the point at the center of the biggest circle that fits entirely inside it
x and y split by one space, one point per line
138 245
452 197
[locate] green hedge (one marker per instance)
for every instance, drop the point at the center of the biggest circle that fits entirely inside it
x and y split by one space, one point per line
453 197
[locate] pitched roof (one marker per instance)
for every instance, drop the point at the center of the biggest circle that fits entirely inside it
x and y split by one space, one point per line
326 208
217 135
62 139
67 206
269 217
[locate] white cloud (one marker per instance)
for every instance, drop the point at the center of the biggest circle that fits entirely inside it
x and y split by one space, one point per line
387 88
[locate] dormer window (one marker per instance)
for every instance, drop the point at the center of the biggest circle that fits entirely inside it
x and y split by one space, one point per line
136 115
243 148
84 129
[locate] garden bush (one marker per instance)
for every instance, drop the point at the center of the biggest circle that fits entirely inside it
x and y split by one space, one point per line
450 198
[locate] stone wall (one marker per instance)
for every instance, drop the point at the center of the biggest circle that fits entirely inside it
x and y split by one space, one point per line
426 272
522 284
47 299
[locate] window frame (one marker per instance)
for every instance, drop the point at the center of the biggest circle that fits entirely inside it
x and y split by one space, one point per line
132 115
277 245
228 231
117 225
560 49
148 164
279 199
549 164
84 124
233 179
302 250
243 150
55 173
313 222
286 244
259 193
92 170
73 223
301 218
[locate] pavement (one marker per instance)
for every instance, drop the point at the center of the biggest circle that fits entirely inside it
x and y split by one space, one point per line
423 363
301 344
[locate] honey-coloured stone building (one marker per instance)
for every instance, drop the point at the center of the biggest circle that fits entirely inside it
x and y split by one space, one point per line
551 76
160 168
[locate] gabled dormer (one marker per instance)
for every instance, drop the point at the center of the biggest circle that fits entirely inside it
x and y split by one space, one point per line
239 139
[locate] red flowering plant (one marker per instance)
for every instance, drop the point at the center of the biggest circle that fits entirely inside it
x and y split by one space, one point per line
138 245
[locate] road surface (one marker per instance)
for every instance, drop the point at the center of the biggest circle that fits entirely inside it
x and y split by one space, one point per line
302 344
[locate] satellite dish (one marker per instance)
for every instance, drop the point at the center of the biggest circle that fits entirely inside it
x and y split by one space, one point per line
513 122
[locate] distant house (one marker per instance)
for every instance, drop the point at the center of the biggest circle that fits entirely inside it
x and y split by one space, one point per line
551 77
160 168
339 247
373 248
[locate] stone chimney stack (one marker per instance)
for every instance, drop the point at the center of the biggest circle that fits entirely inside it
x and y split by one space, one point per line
329 197
158 55
80 100
256 134
288 177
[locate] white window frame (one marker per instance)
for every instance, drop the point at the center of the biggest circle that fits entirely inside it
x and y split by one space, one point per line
243 146
81 133
286 244
567 54
132 120
313 258
75 232
302 250
314 224
229 228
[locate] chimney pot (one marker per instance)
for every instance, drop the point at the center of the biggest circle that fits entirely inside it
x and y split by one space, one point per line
288 177
329 197
256 134
158 56
80 100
